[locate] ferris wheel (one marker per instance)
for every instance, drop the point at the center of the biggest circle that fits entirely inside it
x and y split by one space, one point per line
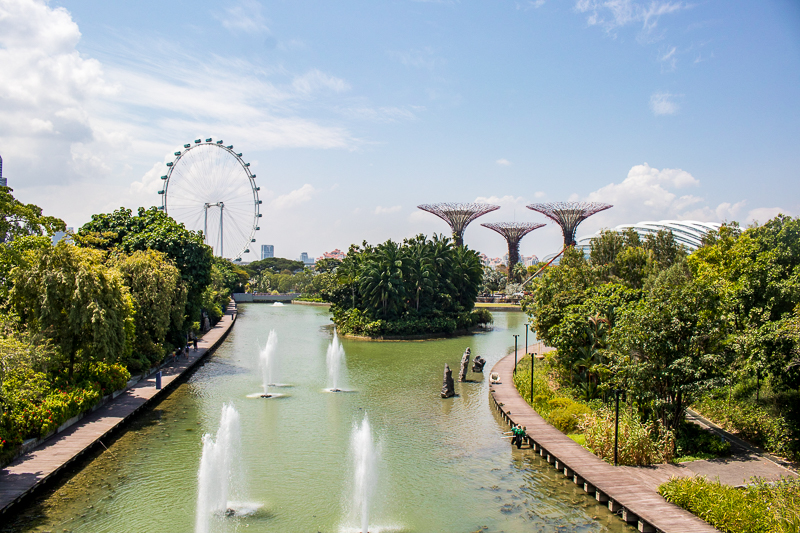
209 187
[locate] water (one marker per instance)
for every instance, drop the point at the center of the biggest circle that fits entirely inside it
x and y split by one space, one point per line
334 358
443 465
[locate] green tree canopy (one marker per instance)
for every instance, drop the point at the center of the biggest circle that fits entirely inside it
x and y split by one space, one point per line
152 229
69 295
18 219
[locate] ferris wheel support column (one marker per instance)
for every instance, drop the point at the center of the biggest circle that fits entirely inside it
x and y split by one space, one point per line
221 234
205 222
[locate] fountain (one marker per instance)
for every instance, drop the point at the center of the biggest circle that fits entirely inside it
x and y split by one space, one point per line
335 360
266 364
365 472
215 476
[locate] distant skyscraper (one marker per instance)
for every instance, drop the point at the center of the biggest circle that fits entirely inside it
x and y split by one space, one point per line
3 181
267 250
308 261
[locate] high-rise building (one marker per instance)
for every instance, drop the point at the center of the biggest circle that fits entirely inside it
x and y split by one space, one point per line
307 261
3 181
267 250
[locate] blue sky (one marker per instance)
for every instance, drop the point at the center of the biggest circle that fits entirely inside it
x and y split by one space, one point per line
352 113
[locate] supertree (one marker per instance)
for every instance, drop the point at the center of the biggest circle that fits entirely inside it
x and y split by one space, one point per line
458 215
513 232
568 215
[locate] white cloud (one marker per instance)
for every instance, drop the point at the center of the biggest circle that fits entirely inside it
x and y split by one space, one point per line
613 14
386 210
651 194
294 198
503 162
669 59
245 16
664 104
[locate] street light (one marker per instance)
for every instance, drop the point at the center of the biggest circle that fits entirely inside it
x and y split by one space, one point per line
616 424
527 328
515 353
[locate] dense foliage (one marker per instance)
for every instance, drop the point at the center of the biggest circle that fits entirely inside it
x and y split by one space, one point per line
77 317
672 330
420 286
759 508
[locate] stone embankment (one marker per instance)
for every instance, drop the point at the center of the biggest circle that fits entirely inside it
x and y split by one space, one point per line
34 469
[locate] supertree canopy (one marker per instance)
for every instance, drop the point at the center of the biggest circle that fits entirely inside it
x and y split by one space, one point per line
568 215
458 215
513 232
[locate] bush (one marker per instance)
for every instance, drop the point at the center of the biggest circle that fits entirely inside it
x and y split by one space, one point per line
695 442
759 508
356 322
567 414
640 443
753 423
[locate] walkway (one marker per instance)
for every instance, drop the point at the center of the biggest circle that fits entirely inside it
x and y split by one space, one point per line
638 502
28 472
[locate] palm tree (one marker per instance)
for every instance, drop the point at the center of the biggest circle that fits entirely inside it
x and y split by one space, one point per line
381 280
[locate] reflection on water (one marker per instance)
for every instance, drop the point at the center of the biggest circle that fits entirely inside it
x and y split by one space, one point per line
444 466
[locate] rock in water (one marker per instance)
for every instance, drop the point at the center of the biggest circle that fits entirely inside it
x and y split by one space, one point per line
478 363
462 375
448 387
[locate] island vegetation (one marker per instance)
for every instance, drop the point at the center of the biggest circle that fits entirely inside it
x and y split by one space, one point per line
78 317
417 287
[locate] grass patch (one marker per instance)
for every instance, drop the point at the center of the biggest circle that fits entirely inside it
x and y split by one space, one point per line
580 438
760 508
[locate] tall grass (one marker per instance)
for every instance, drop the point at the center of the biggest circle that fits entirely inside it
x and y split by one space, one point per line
640 443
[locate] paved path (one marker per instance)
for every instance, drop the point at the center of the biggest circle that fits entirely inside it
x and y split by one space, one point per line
29 471
636 499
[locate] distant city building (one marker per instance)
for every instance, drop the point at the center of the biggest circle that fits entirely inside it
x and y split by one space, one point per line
335 254
3 181
267 250
530 260
307 261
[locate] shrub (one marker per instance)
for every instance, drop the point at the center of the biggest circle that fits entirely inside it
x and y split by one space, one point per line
753 423
760 508
699 443
567 414
640 443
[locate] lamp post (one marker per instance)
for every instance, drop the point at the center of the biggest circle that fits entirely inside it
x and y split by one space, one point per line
616 424
515 353
527 328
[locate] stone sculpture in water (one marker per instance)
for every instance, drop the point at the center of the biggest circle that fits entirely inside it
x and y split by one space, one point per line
478 363
462 375
448 387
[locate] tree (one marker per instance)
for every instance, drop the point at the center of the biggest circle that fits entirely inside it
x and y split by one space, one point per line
757 273
159 300
668 348
152 229
71 297
18 219
381 280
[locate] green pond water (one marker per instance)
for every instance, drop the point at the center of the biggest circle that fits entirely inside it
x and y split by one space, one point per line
443 466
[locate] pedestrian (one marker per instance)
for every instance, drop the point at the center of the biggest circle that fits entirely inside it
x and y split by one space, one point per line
194 341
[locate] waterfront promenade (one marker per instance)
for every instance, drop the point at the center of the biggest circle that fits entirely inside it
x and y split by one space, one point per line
637 502
35 468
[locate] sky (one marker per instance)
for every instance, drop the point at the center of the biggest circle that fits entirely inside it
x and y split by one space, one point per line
352 113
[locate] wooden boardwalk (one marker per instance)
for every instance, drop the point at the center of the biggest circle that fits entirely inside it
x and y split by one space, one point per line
637 502
28 472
